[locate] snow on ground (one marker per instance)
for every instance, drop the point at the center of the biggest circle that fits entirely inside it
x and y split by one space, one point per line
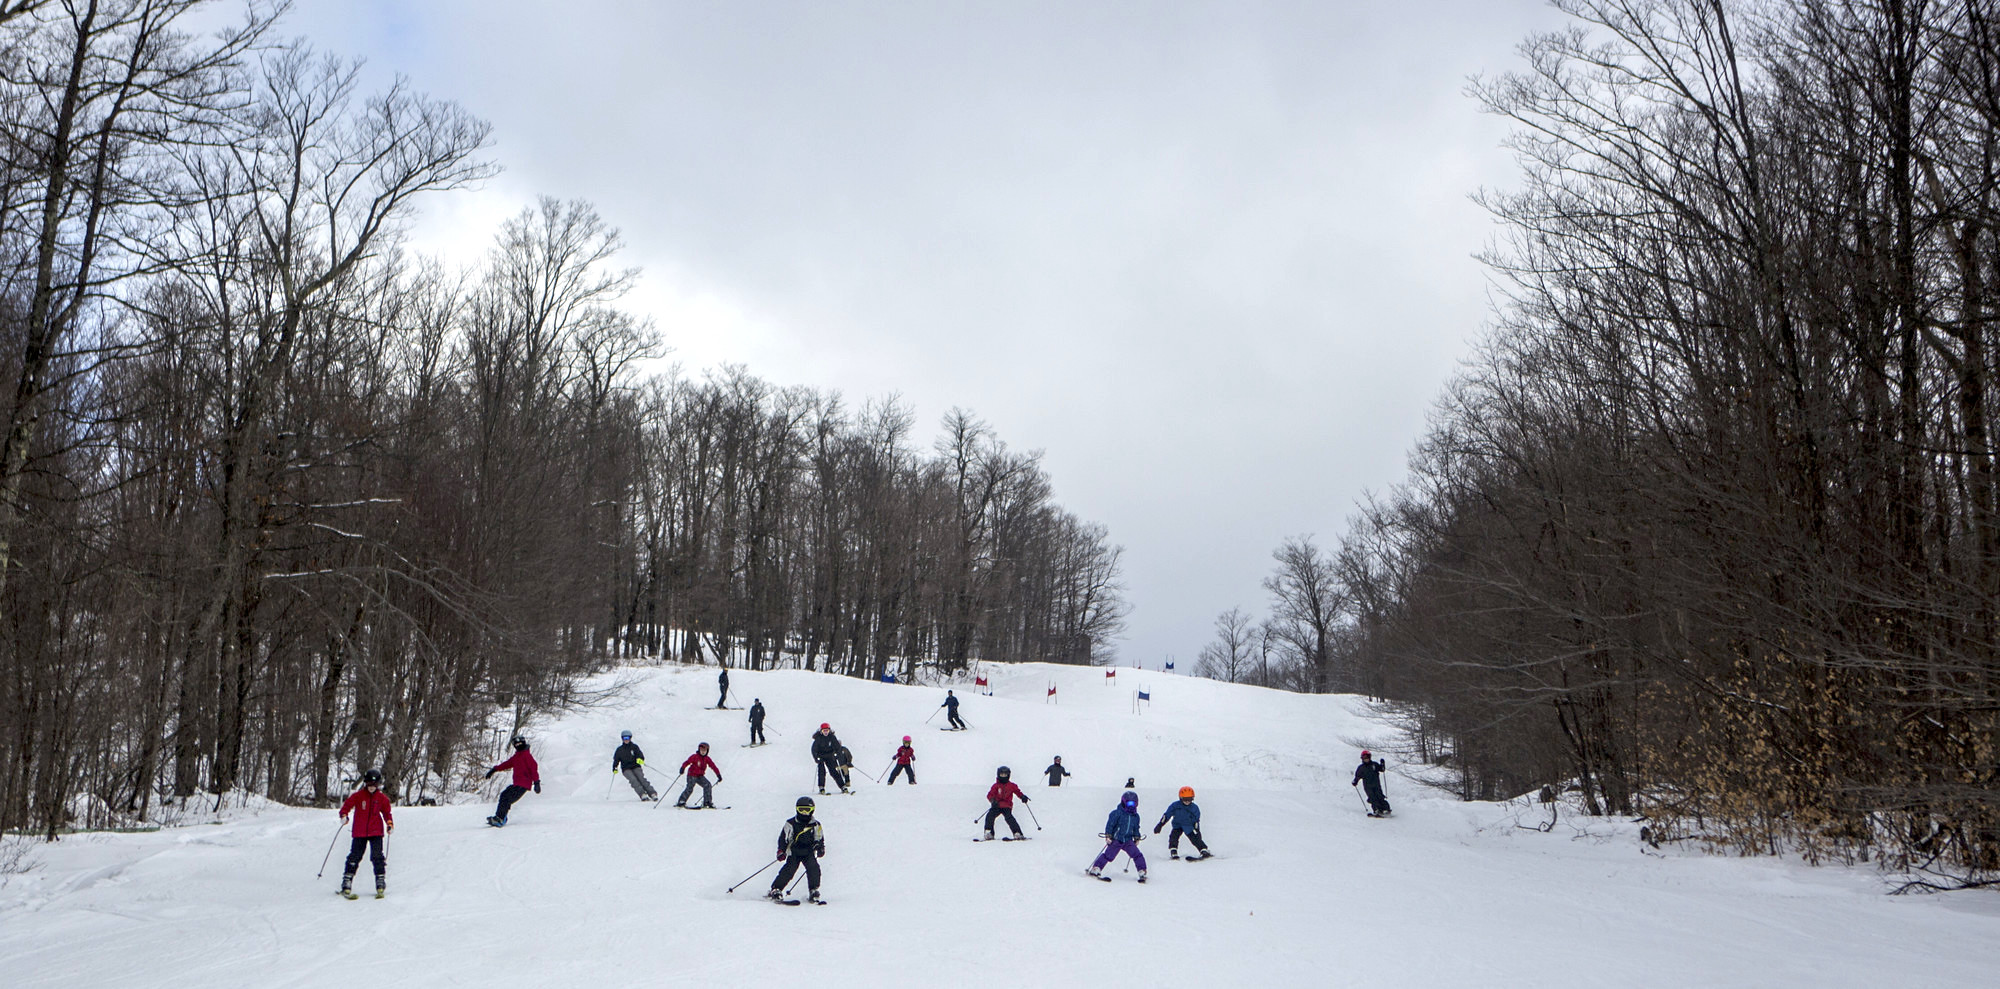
589 887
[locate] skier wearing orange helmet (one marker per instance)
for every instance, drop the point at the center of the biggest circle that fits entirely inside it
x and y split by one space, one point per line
1186 817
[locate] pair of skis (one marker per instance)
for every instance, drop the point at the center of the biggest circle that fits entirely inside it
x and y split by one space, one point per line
1016 837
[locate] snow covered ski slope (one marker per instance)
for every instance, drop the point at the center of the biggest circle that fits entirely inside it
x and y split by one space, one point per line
587 886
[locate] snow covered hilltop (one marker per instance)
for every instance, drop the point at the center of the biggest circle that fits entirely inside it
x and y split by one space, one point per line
589 886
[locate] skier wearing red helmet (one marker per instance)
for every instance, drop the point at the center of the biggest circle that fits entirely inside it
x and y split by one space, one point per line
1368 776
826 751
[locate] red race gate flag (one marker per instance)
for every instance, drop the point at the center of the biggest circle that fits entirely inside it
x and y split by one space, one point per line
979 681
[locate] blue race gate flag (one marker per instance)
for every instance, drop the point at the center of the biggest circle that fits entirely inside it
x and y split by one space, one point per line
1144 696
889 677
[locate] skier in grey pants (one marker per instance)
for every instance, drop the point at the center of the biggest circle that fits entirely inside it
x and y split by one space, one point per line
630 762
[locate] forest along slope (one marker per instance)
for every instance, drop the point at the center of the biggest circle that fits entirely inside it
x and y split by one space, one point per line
588 886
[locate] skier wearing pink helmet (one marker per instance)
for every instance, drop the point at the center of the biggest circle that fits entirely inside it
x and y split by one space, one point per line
906 759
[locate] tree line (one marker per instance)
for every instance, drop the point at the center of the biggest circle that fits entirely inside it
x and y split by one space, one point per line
1707 531
279 501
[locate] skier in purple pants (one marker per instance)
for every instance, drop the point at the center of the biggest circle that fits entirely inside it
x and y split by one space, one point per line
1122 833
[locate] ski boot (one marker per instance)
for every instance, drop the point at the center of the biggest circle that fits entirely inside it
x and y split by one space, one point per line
813 897
1174 853
680 803
1142 875
1205 854
347 890
773 895
822 791
381 891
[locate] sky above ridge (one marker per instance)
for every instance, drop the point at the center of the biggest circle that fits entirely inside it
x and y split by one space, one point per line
1215 260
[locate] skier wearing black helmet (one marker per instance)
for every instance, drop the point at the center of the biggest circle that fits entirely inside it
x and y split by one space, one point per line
1368 776
756 721
373 819
722 682
1000 803
526 775
801 842
631 760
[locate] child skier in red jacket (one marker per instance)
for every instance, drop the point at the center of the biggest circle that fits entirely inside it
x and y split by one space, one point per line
906 762
373 819
697 767
526 774
1001 798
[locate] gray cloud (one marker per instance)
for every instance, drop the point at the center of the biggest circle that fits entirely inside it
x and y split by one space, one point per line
1214 259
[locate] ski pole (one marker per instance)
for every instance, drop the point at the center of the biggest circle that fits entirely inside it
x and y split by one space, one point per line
677 779
886 769
329 850
934 714
864 772
608 784
795 882
754 875
1364 801
1031 813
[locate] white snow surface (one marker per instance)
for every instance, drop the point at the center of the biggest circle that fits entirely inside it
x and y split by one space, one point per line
585 889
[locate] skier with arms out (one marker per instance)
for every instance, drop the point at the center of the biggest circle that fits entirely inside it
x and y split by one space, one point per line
801 842
526 775
1000 803
697 768
373 819
1368 776
906 762
1122 833
826 754
1056 772
1186 815
951 711
756 721
632 760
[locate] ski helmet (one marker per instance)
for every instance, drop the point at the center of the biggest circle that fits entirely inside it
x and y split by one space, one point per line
1365 753
804 805
1003 772
906 738
625 736
1187 793
519 742
703 747
1129 800
823 726
372 777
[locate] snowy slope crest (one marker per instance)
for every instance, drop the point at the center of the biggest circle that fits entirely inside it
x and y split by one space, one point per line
588 886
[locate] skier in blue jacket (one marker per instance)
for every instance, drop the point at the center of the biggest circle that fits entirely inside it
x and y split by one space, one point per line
1122 833
1186 815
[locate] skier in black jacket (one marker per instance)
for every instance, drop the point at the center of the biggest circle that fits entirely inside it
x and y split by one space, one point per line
1056 772
950 706
631 760
826 754
722 681
1370 773
801 842
756 721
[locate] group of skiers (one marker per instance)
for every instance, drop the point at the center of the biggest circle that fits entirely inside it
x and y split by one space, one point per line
802 840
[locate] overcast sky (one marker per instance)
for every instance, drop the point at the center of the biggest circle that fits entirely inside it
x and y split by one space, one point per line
1215 260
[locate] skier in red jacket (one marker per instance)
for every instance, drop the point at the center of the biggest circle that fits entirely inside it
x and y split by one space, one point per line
373 818
906 762
1000 796
697 767
526 774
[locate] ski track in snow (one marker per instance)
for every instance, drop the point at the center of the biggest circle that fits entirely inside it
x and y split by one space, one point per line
584 890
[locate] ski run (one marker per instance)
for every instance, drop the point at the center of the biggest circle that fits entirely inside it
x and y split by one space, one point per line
587 886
